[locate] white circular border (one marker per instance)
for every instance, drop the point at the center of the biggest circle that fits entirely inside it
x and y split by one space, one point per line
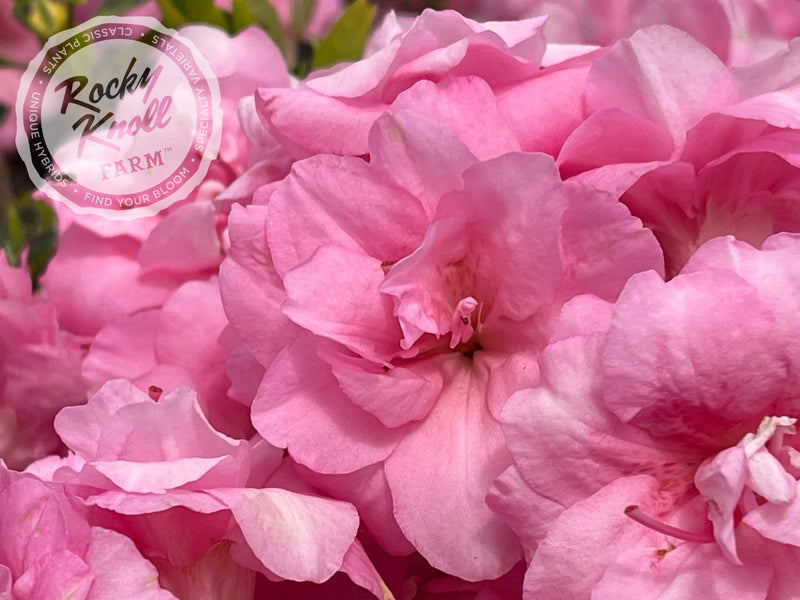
187 186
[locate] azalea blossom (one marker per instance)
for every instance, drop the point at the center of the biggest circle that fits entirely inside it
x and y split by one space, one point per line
682 434
709 151
738 31
40 370
396 330
196 502
48 549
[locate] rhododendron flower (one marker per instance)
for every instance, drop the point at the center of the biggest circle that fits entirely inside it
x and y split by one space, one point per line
333 110
710 151
49 550
394 319
170 346
153 468
738 31
673 402
39 370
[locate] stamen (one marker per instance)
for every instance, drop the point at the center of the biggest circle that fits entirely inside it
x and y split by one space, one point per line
637 515
155 392
461 326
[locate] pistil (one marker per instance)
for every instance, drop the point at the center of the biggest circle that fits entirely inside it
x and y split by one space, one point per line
635 513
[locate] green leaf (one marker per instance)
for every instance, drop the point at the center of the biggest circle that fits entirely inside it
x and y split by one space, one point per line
31 224
302 11
12 235
240 16
117 7
347 37
179 12
44 17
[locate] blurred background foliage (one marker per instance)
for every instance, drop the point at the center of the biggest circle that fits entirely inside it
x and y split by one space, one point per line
28 226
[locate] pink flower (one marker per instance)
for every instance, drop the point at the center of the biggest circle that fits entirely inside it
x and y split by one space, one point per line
332 110
39 370
392 330
49 550
709 151
670 400
154 469
738 31
170 346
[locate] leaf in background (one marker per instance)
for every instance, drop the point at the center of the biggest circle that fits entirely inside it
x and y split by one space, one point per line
347 37
117 7
31 224
25 223
12 235
302 11
42 238
43 17
179 12
241 18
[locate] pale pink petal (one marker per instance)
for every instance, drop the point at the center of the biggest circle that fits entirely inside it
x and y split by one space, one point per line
126 503
582 315
553 431
467 106
185 241
117 566
439 502
123 349
15 283
589 536
60 574
309 123
121 422
767 478
214 575
6 581
557 92
244 371
191 322
593 143
36 522
526 512
335 295
669 365
421 154
362 572
158 477
104 266
721 482
777 521
664 75
323 201
300 406
602 246
395 395
507 373
251 291
688 571
366 488
314 533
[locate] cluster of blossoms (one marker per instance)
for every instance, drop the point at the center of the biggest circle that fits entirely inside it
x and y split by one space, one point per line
505 309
